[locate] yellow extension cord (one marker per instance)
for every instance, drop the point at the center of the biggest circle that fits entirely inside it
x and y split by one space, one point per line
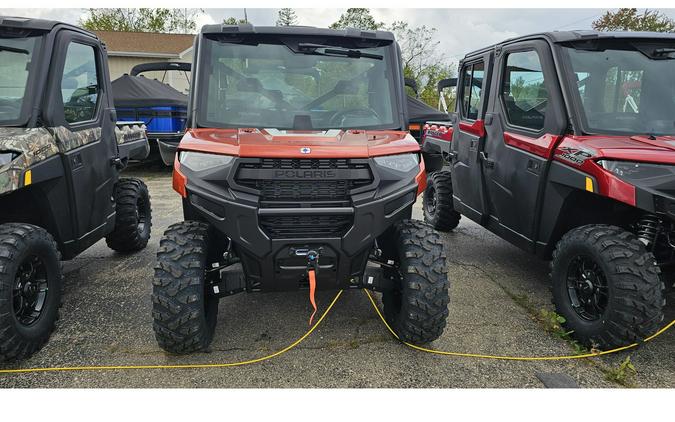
186 366
304 336
520 358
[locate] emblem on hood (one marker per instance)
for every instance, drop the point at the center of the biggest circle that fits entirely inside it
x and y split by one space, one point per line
305 150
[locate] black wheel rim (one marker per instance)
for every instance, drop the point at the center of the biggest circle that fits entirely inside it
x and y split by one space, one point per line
30 290
143 213
587 288
430 200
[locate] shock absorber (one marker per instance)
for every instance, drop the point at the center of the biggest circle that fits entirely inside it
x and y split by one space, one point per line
648 228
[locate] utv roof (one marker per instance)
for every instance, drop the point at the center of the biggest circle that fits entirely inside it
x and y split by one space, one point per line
571 36
296 30
16 22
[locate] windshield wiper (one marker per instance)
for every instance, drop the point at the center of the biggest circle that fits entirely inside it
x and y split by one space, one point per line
351 53
664 53
309 48
14 50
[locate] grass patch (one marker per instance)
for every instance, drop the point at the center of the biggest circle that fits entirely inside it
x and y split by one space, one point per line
552 323
623 374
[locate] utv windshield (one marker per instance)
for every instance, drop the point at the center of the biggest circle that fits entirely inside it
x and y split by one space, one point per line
304 86
16 56
625 87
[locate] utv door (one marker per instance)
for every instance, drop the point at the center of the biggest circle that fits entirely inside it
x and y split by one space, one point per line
469 133
82 118
525 119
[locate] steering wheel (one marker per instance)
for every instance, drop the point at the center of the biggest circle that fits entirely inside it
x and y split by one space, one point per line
338 118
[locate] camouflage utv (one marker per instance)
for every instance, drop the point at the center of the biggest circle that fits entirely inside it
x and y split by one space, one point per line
61 153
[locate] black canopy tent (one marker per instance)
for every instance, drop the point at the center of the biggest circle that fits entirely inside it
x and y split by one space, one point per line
139 91
162 108
420 112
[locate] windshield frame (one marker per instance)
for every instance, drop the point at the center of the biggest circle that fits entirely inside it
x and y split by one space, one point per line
30 94
198 96
578 117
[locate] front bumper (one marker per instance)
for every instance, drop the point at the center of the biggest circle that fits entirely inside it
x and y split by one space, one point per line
271 263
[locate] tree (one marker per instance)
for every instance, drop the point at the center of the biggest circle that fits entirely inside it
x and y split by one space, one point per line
357 17
422 60
141 20
418 46
185 20
287 17
629 19
233 21
433 74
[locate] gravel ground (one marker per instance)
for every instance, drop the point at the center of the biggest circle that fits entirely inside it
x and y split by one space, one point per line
495 290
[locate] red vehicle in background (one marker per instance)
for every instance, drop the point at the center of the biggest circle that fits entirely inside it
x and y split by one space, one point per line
563 144
436 136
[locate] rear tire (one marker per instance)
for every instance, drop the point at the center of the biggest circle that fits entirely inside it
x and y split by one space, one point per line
133 219
594 259
31 284
184 313
417 310
437 202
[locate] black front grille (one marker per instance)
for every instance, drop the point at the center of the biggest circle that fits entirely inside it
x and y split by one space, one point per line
290 190
272 189
305 226
304 183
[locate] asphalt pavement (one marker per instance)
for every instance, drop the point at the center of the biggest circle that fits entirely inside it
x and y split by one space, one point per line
497 293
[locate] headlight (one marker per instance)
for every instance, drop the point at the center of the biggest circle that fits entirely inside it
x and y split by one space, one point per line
197 161
7 157
402 162
636 171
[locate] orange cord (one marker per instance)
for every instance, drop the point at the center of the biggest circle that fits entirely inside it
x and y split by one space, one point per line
312 289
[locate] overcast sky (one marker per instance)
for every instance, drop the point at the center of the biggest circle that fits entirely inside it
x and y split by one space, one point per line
458 30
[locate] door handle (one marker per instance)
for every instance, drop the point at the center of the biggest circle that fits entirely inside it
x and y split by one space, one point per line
117 162
489 163
450 156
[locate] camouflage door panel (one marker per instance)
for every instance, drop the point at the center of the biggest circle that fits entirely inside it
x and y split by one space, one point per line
129 132
68 140
33 145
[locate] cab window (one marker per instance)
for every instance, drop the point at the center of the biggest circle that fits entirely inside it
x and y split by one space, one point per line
80 86
472 87
524 90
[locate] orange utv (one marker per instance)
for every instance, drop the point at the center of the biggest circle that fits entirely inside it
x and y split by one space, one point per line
297 172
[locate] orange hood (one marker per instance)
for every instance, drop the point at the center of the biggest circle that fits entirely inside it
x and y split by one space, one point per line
272 143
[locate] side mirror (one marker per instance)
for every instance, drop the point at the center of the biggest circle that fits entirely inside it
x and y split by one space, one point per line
412 84
446 83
